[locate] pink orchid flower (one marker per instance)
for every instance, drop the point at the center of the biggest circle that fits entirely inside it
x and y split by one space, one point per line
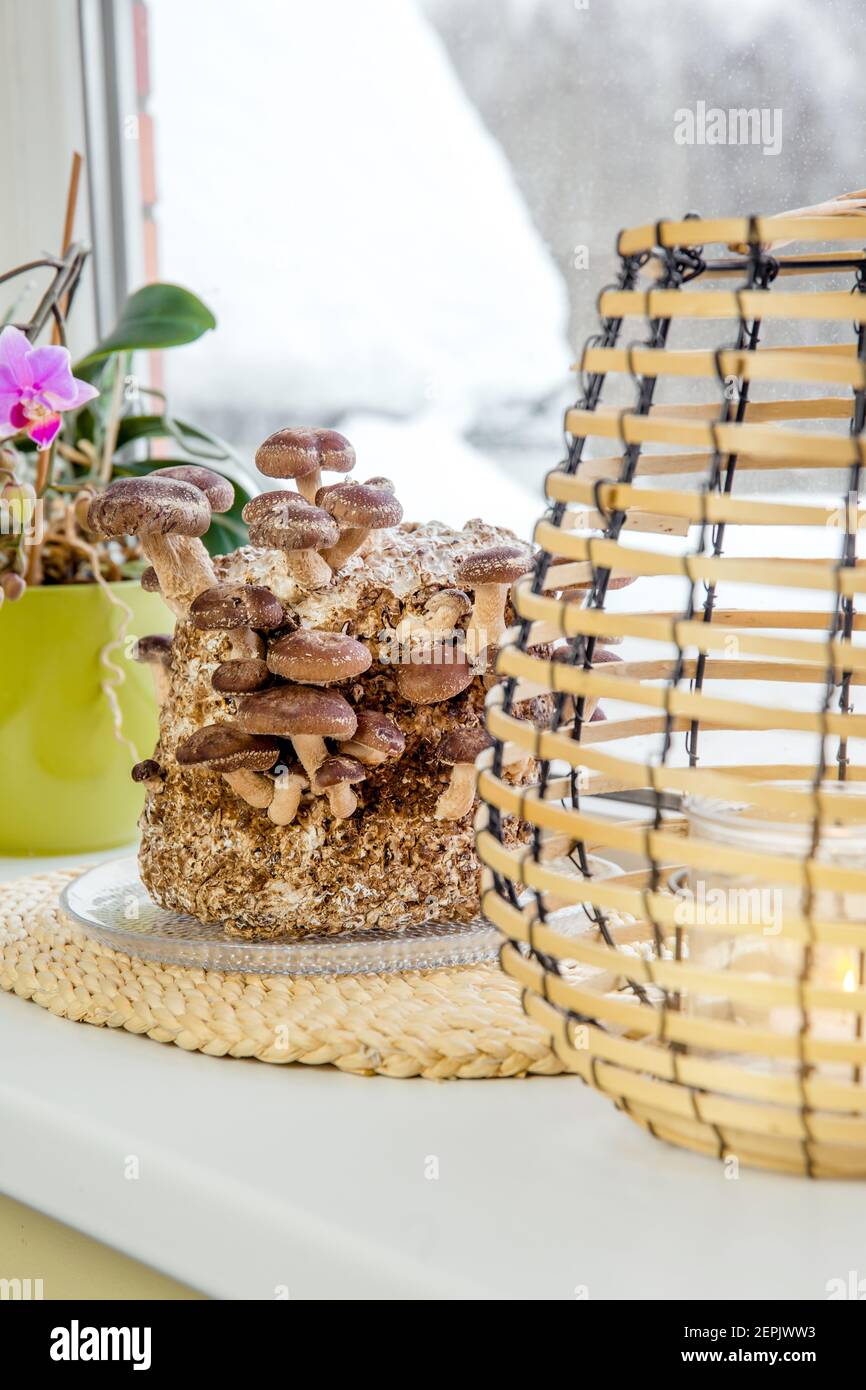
36 386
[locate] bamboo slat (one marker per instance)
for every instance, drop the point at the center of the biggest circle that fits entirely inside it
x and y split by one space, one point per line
710 1028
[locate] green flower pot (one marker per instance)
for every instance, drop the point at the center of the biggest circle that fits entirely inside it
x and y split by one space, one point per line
66 784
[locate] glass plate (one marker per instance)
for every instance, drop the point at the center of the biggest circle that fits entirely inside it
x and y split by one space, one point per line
110 902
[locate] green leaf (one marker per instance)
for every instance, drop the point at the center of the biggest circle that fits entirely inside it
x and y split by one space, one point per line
198 443
156 316
227 532
134 427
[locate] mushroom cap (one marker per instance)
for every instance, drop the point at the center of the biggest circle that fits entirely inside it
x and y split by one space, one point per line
236 605
616 581
13 585
498 564
456 600
150 581
312 657
295 453
150 505
426 683
358 504
288 526
156 646
463 745
240 677
146 771
227 748
383 484
380 733
217 489
288 771
599 656
297 709
257 508
337 770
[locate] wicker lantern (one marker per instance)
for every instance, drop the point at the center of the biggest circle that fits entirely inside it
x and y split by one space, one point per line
714 986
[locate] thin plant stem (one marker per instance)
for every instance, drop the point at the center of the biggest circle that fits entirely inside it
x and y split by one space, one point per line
43 470
68 229
112 425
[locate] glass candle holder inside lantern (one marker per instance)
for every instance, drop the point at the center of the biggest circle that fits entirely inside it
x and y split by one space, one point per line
756 925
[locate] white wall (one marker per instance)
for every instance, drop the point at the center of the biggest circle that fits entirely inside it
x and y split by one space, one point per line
41 123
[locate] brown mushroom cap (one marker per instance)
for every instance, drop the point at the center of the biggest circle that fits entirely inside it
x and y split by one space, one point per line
150 581
337 770
295 453
240 677
380 733
359 505
599 656
498 564
227 748
457 600
146 771
288 526
236 605
297 709
217 489
257 508
615 581
13 586
383 484
463 745
156 646
318 657
426 683
139 506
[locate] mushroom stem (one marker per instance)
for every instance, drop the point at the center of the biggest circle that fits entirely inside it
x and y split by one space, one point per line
342 801
160 682
287 798
457 799
148 774
309 485
370 757
255 789
311 751
516 759
307 567
182 566
245 645
487 624
350 540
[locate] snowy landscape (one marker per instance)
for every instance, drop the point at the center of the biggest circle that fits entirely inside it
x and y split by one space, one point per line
401 212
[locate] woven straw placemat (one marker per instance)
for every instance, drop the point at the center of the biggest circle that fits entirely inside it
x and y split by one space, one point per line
465 1022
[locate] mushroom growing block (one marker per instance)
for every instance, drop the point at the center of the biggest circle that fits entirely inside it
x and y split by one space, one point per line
327 852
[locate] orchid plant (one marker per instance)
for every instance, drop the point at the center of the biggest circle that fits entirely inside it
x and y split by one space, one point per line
66 431
36 387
